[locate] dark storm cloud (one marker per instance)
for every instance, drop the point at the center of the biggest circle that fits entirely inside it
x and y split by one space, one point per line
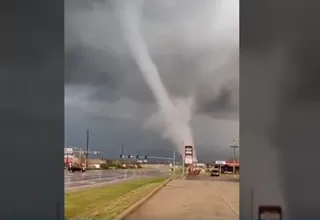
105 73
97 55
222 104
87 66
196 52
108 134
225 102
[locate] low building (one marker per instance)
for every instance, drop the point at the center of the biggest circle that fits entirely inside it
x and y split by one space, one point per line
230 164
201 165
94 163
70 159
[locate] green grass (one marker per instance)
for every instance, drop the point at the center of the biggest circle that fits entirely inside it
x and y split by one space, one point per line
177 173
178 170
108 201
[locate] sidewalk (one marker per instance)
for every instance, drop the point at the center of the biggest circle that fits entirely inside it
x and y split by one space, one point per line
192 199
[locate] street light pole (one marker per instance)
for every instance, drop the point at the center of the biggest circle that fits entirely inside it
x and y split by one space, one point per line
234 146
87 149
80 157
174 159
183 158
122 153
66 163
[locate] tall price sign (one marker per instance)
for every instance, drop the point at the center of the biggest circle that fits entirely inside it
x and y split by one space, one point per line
188 154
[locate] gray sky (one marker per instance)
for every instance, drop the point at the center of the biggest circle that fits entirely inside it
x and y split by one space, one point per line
195 46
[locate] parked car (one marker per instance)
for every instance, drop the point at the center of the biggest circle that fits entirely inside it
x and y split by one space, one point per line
76 168
215 172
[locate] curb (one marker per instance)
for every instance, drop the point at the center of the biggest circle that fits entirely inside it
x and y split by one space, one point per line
139 203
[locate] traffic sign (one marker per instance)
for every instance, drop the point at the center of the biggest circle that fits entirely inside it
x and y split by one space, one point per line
96 152
188 160
68 150
125 156
141 157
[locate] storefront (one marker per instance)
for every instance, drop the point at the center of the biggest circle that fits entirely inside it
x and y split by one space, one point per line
68 159
230 165
227 166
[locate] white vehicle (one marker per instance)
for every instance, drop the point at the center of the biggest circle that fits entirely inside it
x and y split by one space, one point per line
215 172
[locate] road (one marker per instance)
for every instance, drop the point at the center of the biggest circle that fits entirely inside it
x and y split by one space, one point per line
200 197
79 180
222 177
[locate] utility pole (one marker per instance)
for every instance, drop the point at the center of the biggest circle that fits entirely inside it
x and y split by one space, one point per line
80 157
122 153
183 158
234 147
183 165
87 149
66 164
174 159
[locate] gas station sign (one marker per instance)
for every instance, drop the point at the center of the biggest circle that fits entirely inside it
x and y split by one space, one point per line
188 154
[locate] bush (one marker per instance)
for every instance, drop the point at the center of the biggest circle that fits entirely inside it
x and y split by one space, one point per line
104 166
139 166
119 166
131 166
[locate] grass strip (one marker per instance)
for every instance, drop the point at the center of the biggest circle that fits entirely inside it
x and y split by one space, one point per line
176 174
108 201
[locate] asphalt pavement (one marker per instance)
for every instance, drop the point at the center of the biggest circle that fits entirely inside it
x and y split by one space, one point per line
192 199
97 177
207 177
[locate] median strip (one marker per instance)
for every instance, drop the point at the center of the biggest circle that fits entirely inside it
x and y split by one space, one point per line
108 201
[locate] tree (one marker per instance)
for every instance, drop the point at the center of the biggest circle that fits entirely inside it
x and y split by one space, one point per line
104 166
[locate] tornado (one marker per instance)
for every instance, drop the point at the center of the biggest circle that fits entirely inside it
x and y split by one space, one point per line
174 118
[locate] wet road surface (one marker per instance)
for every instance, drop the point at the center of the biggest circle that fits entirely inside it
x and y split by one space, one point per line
92 178
207 177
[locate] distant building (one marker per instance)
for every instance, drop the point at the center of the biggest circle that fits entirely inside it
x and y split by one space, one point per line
201 165
94 163
71 155
232 163
70 159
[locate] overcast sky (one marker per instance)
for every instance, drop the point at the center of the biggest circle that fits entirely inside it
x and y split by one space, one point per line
195 46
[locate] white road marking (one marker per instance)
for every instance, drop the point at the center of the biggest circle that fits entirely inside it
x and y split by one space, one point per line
228 204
